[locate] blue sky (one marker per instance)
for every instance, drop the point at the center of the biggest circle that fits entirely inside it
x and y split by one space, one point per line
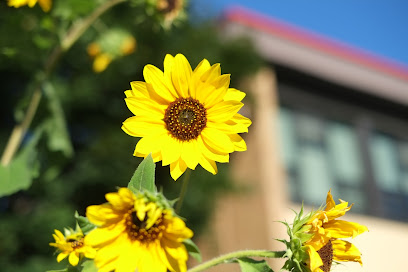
376 26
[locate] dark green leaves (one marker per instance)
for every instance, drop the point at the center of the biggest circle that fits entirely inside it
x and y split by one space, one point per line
192 249
84 223
19 173
143 178
251 265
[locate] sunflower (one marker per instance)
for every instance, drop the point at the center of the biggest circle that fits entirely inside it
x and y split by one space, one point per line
327 232
72 245
316 239
186 117
136 234
44 4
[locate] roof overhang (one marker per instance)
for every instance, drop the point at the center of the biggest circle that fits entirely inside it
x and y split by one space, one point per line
296 48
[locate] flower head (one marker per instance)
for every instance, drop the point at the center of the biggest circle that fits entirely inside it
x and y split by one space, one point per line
44 4
72 245
186 117
112 45
316 239
135 233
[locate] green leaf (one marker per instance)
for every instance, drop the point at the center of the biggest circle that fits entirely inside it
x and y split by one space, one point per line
251 265
19 174
143 178
192 249
55 126
89 266
84 223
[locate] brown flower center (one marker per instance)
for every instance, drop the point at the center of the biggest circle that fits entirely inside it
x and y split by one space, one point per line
185 118
137 229
75 244
326 254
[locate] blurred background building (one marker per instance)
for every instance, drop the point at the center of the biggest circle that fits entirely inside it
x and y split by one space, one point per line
326 115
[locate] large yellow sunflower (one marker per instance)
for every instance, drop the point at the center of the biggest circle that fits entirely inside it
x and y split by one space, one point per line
186 117
44 4
72 245
325 244
135 234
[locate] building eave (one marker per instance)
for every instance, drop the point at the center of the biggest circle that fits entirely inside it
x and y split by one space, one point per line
296 48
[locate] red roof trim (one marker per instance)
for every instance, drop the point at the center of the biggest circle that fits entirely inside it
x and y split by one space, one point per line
317 42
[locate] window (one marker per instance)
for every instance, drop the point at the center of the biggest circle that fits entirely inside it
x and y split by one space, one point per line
357 150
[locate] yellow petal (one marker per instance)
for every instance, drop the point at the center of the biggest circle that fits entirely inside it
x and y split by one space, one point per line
177 168
101 214
171 150
141 126
210 152
176 229
217 140
139 89
330 204
314 259
223 111
344 229
238 142
176 255
345 252
62 256
181 74
73 258
212 73
189 154
208 165
100 236
145 107
150 144
234 94
202 67
239 123
211 97
155 77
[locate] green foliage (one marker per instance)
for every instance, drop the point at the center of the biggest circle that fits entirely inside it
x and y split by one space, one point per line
89 266
192 249
75 150
84 224
143 178
19 174
251 265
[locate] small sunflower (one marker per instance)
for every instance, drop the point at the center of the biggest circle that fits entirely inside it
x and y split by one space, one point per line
186 117
72 245
44 4
136 234
316 238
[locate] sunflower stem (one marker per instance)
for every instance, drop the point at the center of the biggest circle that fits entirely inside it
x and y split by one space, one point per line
72 35
230 257
186 180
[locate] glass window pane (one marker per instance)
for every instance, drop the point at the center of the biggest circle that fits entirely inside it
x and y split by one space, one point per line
344 153
314 176
385 162
287 138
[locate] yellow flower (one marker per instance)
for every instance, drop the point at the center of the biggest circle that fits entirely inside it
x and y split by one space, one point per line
135 234
325 245
186 117
72 246
44 4
101 62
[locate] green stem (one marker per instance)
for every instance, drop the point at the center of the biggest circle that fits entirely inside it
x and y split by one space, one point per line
237 254
73 34
186 180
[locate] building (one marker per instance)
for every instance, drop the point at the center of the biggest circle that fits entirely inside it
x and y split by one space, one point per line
325 116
